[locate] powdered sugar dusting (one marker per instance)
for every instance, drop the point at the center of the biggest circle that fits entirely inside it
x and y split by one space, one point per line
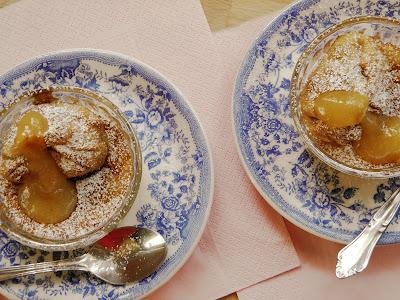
339 74
362 67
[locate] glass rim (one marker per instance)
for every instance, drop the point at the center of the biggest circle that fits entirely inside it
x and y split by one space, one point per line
91 237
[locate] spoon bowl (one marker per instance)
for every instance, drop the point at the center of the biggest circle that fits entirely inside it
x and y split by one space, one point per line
127 254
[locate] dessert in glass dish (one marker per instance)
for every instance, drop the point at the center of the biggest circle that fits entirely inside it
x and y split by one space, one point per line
346 96
70 167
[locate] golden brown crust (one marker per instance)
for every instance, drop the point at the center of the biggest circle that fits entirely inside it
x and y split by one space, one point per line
79 145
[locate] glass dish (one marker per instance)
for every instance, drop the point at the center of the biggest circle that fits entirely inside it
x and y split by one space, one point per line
388 31
100 104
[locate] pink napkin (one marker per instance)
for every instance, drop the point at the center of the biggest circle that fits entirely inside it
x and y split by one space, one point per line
245 241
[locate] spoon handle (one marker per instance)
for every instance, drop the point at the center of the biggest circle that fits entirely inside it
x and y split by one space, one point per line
53 266
355 256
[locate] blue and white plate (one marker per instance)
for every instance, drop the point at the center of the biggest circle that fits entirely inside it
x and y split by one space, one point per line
302 188
177 184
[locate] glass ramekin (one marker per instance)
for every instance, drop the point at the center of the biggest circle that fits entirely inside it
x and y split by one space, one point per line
388 30
7 118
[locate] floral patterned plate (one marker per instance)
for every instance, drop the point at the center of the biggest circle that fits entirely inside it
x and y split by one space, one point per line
302 188
177 184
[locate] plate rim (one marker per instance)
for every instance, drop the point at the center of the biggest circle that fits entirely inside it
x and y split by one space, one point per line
258 187
157 74
240 74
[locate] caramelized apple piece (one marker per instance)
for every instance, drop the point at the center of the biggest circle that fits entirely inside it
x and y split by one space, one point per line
307 105
346 45
393 55
339 109
45 194
32 124
373 61
380 140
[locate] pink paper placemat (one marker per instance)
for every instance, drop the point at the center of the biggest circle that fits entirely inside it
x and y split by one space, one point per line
245 241
316 279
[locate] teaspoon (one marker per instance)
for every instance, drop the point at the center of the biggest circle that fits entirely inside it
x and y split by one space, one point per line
126 254
355 256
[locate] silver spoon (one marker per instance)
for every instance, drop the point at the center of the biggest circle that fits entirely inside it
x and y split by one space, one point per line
126 254
355 256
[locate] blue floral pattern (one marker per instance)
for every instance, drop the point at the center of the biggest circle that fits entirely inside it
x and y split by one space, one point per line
302 188
176 188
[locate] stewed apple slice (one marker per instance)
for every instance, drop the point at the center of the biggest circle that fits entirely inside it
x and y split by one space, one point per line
339 109
380 140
